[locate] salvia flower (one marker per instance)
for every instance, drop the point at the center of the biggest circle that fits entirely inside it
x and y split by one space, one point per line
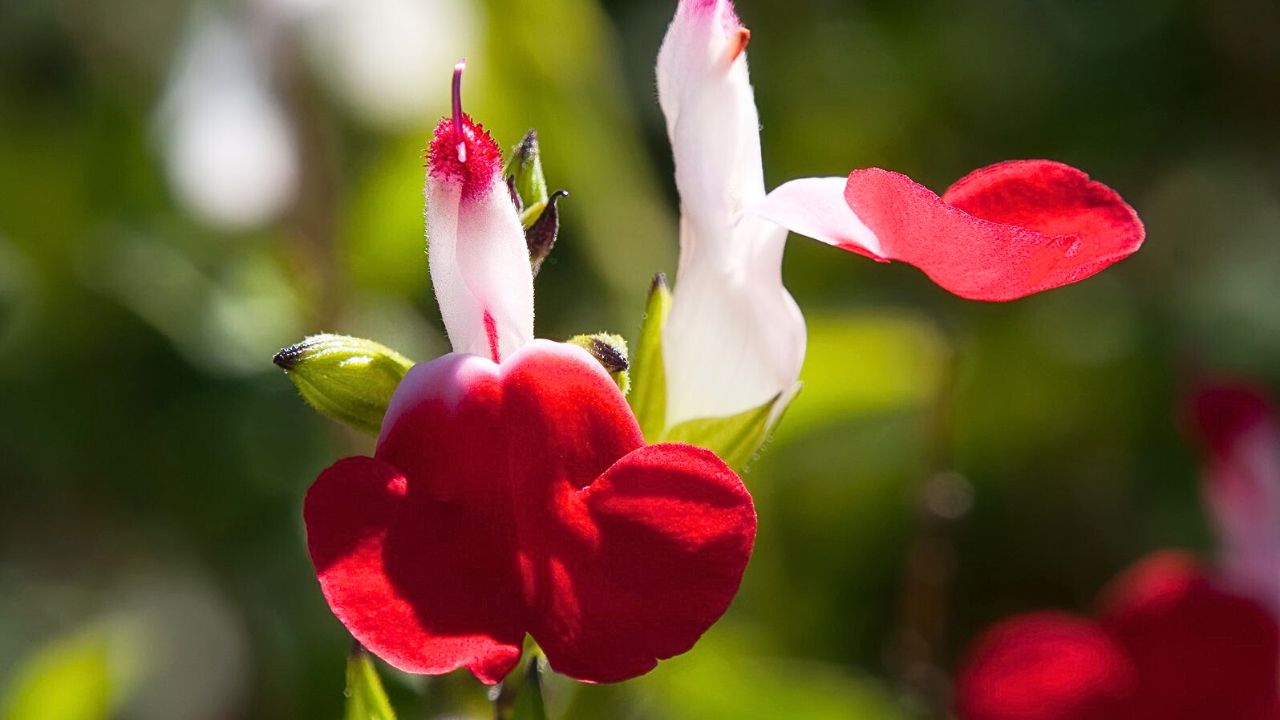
734 338
511 491
1170 643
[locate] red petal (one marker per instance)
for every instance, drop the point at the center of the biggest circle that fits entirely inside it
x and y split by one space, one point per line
444 553
519 497
1044 666
649 556
1002 232
1200 652
630 561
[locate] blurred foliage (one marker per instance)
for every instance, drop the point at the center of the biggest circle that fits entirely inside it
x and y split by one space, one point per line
70 679
155 461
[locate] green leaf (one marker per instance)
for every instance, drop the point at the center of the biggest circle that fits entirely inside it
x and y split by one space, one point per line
611 352
346 378
69 679
648 375
737 438
366 700
524 167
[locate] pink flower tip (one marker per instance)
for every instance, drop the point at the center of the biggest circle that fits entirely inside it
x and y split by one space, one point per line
461 151
468 156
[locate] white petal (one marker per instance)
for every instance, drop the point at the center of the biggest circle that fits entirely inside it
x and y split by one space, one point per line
735 338
479 268
816 208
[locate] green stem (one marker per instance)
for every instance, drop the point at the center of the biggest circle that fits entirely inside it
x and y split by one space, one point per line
519 697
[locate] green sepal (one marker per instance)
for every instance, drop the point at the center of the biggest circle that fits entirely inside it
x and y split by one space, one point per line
611 352
524 173
530 704
345 378
736 438
366 699
648 374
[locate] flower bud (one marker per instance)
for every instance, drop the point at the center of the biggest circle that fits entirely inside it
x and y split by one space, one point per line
523 172
348 379
540 237
611 352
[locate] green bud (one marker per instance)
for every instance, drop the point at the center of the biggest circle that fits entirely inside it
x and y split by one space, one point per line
525 178
346 378
649 401
611 352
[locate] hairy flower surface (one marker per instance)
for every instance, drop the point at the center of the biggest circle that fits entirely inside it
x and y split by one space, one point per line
511 490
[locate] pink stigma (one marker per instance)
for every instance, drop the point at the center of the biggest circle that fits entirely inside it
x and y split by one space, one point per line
457 110
460 150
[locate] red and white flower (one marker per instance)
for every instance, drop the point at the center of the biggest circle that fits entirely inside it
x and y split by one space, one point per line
734 339
511 491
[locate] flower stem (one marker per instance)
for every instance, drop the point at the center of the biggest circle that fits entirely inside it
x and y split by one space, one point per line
519 697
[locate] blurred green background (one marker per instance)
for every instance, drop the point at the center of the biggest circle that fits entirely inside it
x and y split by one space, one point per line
186 187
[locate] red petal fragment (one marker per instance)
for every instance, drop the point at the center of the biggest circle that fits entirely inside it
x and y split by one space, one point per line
1044 666
415 551
650 555
628 560
1200 652
1002 232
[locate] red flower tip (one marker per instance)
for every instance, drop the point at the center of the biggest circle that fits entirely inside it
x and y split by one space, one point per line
519 497
1226 412
1201 652
1001 232
461 151
1044 666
